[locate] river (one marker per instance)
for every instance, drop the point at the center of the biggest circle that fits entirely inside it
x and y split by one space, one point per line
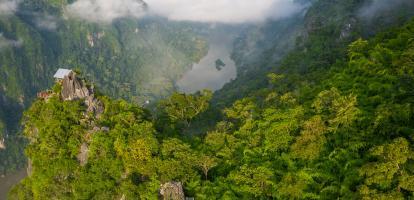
7 182
205 75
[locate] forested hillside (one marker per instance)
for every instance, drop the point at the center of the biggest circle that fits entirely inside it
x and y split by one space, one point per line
38 38
333 119
318 36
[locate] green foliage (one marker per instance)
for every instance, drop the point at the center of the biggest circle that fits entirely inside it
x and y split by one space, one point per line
253 182
310 143
388 171
274 78
2 129
182 108
57 130
345 133
335 122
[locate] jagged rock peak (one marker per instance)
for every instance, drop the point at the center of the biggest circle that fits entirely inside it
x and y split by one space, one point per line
74 88
172 191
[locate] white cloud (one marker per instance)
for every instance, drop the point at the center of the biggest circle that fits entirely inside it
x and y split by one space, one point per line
378 6
220 11
4 42
8 6
223 11
106 10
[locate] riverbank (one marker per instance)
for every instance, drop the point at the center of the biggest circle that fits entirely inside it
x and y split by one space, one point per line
8 181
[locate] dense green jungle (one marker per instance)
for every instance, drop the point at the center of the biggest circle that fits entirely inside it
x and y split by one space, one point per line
322 106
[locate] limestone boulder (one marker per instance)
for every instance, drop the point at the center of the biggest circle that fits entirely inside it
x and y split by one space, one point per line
73 88
172 191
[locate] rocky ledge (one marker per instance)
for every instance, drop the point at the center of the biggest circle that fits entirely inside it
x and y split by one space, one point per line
172 191
74 88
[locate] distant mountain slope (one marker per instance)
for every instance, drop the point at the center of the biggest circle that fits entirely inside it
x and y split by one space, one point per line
326 26
138 61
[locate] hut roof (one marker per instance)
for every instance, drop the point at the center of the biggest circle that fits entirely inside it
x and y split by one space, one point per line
61 73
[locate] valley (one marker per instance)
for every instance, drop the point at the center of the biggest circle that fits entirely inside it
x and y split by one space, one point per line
302 99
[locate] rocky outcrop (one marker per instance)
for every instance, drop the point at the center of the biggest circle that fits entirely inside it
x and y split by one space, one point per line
73 88
83 154
2 144
29 168
91 41
347 29
94 105
172 191
94 37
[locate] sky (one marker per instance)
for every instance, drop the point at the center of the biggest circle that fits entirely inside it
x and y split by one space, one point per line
224 11
210 11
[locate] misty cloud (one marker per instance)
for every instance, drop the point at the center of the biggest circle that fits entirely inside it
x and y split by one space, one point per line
105 11
223 11
214 11
47 22
4 42
8 6
378 6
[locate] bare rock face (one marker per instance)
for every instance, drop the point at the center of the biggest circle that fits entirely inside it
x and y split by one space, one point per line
73 88
94 105
172 191
83 154
2 144
347 29
29 168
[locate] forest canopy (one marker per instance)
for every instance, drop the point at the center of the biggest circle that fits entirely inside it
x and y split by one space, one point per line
351 137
